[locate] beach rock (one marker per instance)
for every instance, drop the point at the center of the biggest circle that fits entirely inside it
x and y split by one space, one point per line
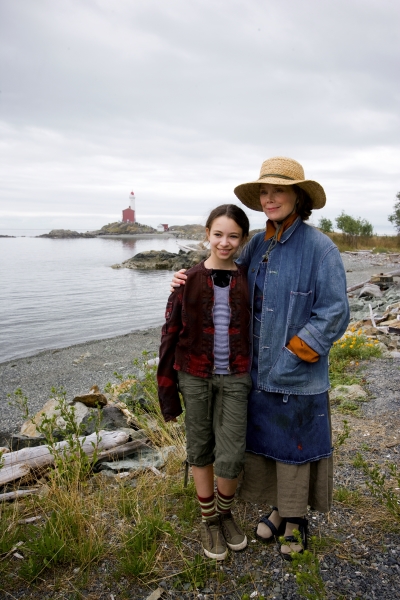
63 234
109 418
371 290
94 399
5 439
49 410
142 459
19 441
346 392
161 260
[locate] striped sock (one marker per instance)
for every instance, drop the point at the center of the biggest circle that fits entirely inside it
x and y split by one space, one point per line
207 506
224 503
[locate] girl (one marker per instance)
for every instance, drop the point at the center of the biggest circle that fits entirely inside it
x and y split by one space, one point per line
205 350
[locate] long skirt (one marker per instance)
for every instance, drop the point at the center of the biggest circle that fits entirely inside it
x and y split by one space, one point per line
289 462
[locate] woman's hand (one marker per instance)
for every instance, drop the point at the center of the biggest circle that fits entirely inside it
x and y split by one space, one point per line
178 279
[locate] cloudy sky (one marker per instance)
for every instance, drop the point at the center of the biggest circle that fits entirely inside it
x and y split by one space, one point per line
181 100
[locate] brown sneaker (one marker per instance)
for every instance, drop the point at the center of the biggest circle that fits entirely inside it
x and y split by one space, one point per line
213 541
234 536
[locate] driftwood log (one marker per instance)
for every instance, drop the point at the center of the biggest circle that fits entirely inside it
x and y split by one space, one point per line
121 451
18 464
17 494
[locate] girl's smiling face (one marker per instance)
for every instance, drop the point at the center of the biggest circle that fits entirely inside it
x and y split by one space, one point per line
225 237
277 201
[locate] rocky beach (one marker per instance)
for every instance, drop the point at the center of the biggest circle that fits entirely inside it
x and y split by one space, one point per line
358 545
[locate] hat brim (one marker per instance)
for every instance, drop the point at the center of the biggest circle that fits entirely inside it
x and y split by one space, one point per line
249 193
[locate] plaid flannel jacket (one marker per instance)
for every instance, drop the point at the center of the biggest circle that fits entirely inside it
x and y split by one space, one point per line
187 338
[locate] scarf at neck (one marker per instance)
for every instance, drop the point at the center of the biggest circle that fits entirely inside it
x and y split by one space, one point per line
271 229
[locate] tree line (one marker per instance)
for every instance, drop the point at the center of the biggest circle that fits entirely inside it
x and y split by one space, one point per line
359 227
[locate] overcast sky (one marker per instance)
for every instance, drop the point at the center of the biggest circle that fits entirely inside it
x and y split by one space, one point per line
182 100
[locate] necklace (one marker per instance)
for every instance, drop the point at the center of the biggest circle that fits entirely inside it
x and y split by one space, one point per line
272 244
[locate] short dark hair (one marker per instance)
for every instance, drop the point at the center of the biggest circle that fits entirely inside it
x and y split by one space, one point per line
232 212
303 204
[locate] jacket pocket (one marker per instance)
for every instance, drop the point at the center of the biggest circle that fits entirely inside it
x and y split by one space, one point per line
299 308
290 370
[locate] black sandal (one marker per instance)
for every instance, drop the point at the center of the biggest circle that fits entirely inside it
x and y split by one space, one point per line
276 532
291 539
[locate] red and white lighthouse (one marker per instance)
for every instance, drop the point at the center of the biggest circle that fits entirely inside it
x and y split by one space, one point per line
128 215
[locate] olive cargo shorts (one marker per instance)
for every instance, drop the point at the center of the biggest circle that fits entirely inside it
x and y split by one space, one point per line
216 420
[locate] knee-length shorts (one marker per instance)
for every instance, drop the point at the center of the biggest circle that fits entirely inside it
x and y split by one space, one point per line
216 421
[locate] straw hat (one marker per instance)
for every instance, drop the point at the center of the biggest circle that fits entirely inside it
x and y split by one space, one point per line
280 171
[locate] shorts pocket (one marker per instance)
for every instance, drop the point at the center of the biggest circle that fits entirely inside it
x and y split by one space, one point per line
290 370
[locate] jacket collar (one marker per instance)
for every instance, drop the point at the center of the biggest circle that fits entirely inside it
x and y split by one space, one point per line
291 223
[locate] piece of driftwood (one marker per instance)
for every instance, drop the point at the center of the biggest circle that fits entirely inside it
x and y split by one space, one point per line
351 288
121 451
131 418
40 456
17 494
8 474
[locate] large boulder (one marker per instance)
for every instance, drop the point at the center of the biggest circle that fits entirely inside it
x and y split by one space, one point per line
62 234
110 418
49 410
162 260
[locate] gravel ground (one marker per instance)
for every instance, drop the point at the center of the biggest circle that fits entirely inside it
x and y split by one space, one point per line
359 544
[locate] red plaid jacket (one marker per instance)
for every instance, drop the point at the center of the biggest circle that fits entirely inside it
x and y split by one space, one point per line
187 338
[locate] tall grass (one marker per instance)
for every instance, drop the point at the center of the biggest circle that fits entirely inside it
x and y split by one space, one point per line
86 517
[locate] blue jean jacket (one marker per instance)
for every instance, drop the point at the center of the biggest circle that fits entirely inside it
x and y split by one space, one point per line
304 295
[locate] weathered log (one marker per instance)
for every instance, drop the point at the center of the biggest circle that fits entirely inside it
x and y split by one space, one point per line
121 451
17 494
8 474
40 456
351 288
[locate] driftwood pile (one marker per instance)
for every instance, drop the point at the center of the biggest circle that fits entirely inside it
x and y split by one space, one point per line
118 452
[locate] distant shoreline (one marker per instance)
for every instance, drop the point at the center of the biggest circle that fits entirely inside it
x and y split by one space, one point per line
137 235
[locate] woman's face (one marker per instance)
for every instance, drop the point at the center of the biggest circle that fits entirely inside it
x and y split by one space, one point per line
277 201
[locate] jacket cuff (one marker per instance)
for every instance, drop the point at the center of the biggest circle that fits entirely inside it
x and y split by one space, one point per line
314 338
302 350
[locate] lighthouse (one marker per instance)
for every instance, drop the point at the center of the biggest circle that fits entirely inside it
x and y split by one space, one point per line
128 215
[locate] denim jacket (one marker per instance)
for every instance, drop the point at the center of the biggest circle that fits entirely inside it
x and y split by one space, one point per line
304 295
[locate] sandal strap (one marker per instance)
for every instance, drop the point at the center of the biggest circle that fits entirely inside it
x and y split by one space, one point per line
291 539
297 521
270 525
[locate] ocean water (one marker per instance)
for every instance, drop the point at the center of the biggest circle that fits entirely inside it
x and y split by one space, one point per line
56 293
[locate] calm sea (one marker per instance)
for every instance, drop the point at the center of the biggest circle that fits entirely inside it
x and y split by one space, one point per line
55 293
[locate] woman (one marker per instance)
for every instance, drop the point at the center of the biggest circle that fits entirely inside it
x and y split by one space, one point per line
297 288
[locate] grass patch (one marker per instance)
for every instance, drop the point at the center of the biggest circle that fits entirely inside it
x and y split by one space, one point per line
344 495
354 346
348 407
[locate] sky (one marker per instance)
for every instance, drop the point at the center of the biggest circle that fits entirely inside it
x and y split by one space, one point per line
182 100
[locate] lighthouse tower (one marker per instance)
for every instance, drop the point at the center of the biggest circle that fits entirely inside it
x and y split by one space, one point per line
128 215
